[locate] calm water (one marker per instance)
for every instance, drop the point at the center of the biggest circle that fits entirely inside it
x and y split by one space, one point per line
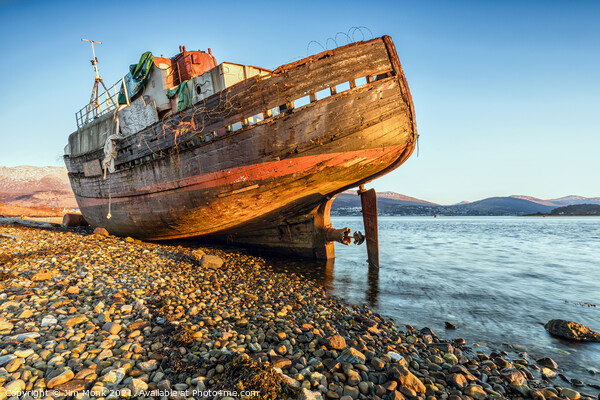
498 278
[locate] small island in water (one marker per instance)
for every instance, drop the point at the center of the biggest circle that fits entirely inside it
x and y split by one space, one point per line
572 210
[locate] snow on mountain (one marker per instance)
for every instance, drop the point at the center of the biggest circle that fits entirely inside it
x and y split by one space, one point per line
561 201
534 200
573 199
395 196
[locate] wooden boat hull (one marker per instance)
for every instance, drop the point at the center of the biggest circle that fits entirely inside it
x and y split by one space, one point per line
269 184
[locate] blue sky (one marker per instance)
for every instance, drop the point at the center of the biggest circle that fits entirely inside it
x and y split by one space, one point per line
507 93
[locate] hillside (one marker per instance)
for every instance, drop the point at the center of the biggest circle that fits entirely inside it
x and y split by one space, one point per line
500 206
561 201
36 187
349 204
577 209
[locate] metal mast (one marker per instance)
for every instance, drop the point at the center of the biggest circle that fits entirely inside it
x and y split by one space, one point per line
94 108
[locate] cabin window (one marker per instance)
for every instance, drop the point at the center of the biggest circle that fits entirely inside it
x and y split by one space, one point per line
321 94
361 81
342 87
255 119
302 101
235 127
287 107
275 111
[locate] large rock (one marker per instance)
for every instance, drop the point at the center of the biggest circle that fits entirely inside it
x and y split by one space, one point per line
548 373
457 380
42 276
15 388
405 378
76 385
352 356
570 393
49 320
100 232
64 377
548 363
138 386
196 255
513 376
86 374
112 327
5 326
21 337
212 262
280 362
336 342
306 394
571 330
114 376
148 366
72 219
71 322
23 353
13 365
476 392
6 359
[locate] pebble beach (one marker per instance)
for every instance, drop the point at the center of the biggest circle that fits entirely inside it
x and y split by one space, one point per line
86 315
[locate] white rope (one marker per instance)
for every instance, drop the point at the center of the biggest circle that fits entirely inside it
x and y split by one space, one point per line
109 197
110 153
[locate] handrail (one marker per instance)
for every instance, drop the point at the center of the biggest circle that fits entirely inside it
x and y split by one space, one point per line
101 103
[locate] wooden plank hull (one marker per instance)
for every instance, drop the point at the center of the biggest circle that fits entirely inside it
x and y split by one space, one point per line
269 184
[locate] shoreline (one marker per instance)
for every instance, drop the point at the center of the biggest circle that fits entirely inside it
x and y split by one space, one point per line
88 312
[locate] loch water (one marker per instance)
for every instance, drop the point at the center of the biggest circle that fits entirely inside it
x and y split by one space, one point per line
499 279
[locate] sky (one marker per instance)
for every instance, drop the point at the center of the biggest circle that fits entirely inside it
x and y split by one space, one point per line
506 93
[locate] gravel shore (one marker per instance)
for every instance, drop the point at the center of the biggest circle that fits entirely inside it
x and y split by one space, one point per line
94 316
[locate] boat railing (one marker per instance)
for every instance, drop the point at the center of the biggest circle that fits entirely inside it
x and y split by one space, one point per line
101 102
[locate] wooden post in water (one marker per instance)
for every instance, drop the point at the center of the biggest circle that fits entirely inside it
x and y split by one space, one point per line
368 201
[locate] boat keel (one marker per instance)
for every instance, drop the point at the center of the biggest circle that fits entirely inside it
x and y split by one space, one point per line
308 235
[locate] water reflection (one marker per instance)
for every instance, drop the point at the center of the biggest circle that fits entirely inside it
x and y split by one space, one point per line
373 286
323 273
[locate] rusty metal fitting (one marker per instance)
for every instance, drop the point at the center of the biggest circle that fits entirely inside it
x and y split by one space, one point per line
338 235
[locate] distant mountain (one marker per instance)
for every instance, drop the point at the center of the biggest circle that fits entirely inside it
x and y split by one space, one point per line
348 202
570 200
501 206
561 201
390 203
36 186
461 203
399 197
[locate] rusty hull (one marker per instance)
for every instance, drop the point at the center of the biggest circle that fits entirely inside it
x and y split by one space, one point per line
269 184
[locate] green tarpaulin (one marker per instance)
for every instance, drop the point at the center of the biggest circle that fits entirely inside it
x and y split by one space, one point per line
184 97
137 77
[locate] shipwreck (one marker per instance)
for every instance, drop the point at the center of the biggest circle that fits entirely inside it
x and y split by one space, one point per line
185 147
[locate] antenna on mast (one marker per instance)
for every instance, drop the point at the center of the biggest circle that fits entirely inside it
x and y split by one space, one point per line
94 106
95 59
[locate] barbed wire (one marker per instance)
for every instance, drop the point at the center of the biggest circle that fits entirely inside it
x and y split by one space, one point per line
350 36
